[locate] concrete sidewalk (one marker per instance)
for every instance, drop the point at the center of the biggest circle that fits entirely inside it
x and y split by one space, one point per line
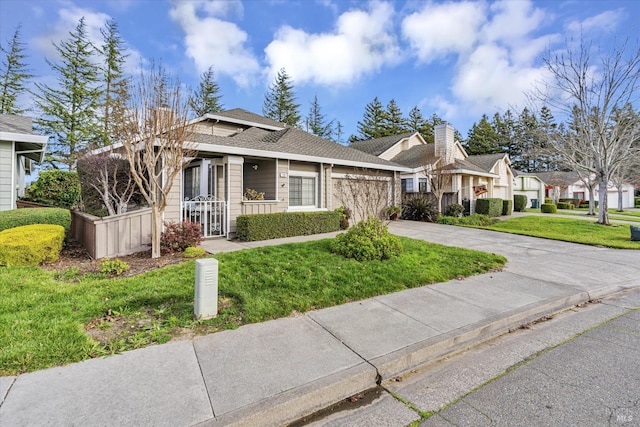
275 372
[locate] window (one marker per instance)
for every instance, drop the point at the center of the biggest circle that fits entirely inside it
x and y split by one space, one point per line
302 191
192 182
407 185
422 185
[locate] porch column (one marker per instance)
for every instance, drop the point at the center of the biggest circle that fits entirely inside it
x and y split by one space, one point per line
234 190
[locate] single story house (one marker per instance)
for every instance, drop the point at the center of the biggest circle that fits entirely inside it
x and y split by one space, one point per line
568 185
20 147
530 185
473 177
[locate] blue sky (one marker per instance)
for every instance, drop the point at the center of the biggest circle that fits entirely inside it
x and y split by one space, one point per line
456 59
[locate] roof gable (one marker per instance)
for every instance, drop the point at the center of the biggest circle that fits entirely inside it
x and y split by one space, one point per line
486 162
377 146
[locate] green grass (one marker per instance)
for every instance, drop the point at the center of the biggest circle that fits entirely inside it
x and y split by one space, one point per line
632 216
43 315
569 230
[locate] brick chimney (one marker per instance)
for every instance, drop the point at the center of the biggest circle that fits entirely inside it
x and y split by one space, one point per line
445 144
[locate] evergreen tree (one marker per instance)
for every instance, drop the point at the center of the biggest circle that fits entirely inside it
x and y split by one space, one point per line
394 123
504 125
373 122
417 123
206 99
113 80
482 139
527 131
316 121
14 75
544 158
280 102
68 111
339 133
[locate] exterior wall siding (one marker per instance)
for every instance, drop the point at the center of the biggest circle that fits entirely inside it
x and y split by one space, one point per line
235 188
262 179
6 173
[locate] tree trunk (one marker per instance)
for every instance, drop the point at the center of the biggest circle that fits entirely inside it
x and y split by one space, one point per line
156 231
592 201
603 212
620 199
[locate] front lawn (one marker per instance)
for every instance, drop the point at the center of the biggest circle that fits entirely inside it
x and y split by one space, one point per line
569 230
54 318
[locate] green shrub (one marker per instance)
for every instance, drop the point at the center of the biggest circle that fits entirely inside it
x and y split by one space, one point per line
549 201
454 209
56 188
420 208
548 208
345 216
179 236
194 252
585 204
519 202
368 240
31 244
476 220
565 205
285 224
507 207
28 216
113 267
491 207
636 201
573 201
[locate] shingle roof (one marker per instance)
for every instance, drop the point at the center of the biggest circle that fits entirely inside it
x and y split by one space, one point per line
467 165
15 124
293 141
378 146
416 156
241 114
558 177
485 161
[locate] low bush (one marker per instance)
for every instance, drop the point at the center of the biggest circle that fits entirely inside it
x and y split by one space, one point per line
420 208
113 267
56 188
584 204
548 201
548 208
455 209
565 205
519 202
491 207
194 252
476 220
29 216
573 201
285 224
507 207
345 216
179 236
636 201
31 244
368 240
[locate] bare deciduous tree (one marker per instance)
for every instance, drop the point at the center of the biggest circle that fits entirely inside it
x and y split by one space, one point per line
439 175
153 130
596 96
366 193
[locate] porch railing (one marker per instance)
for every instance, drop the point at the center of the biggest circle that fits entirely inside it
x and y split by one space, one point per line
209 212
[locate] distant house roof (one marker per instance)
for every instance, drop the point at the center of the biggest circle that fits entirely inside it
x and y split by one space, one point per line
378 146
19 130
244 116
558 178
486 162
15 124
291 143
416 156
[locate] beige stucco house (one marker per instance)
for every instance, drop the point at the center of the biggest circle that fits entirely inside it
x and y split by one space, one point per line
473 177
19 149
530 185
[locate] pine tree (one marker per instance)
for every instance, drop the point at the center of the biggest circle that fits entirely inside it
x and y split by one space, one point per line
373 121
544 159
417 123
527 130
504 125
339 133
14 75
113 79
206 99
394 123
280 101
482 138
316 121
68 111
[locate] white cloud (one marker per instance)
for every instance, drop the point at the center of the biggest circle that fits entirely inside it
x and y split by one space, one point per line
605 21
362 42
211 41
440 29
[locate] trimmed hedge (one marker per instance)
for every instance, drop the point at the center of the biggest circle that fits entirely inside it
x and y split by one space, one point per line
472 220
285 224
548 208
31 244
519 202
507 207
565 205
28 216
55 187
573 201
636 201
490 207
548 201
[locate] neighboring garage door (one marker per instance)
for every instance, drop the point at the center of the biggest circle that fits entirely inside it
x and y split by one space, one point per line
364 197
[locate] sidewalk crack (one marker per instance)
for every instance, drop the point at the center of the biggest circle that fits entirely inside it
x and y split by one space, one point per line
195 352
6 394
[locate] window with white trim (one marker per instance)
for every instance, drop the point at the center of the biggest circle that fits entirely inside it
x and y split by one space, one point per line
302 191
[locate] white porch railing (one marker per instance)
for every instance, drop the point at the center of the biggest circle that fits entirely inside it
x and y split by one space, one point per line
209 212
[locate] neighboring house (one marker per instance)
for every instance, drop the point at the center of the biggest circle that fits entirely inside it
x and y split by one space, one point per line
19 149
530 185
568 185
473 177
